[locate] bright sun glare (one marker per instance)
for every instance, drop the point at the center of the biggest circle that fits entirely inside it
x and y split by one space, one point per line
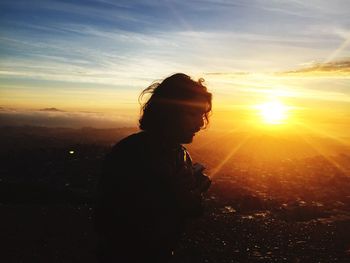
273 112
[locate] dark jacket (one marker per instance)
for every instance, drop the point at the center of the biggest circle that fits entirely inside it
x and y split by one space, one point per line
143 203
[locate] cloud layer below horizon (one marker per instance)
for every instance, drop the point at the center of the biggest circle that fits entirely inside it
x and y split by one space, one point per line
65 119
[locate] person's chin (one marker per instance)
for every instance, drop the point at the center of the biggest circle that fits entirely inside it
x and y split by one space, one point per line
188 138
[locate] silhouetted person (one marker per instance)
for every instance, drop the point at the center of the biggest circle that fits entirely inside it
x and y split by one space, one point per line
149 187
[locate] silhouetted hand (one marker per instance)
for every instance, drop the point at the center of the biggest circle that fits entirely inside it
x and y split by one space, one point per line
185 179
188 196
203 181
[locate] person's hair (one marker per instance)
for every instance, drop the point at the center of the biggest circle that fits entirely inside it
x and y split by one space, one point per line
168 100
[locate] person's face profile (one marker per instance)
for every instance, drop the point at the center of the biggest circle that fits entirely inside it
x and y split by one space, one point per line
191 120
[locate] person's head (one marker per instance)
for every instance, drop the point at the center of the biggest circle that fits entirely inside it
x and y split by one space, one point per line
177 108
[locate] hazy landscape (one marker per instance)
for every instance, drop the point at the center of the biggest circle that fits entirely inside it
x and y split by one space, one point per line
274 198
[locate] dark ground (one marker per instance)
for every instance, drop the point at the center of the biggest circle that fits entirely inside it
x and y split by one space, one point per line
288 211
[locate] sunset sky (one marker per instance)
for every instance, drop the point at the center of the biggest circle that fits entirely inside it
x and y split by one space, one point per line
85 62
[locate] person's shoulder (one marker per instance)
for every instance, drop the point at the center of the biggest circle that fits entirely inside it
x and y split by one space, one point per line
132 143
133 140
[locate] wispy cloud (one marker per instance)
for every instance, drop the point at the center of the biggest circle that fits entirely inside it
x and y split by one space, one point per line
110 56
109 42
51 109
339 68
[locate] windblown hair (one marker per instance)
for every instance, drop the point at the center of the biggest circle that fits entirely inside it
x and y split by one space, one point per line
170 98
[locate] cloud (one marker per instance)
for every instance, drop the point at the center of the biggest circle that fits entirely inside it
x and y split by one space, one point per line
52 117
98 62
152 38
237 73
339 68
51 109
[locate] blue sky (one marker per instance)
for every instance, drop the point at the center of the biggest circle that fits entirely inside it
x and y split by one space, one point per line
101 54
200 36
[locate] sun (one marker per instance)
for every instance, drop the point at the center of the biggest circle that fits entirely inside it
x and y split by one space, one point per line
273 112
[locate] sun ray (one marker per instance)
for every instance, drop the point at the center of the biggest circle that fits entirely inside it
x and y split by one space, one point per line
330 160
318 148
218 168
335 53
238 128
319 132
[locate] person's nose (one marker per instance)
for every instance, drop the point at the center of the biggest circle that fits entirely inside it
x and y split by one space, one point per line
199 122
